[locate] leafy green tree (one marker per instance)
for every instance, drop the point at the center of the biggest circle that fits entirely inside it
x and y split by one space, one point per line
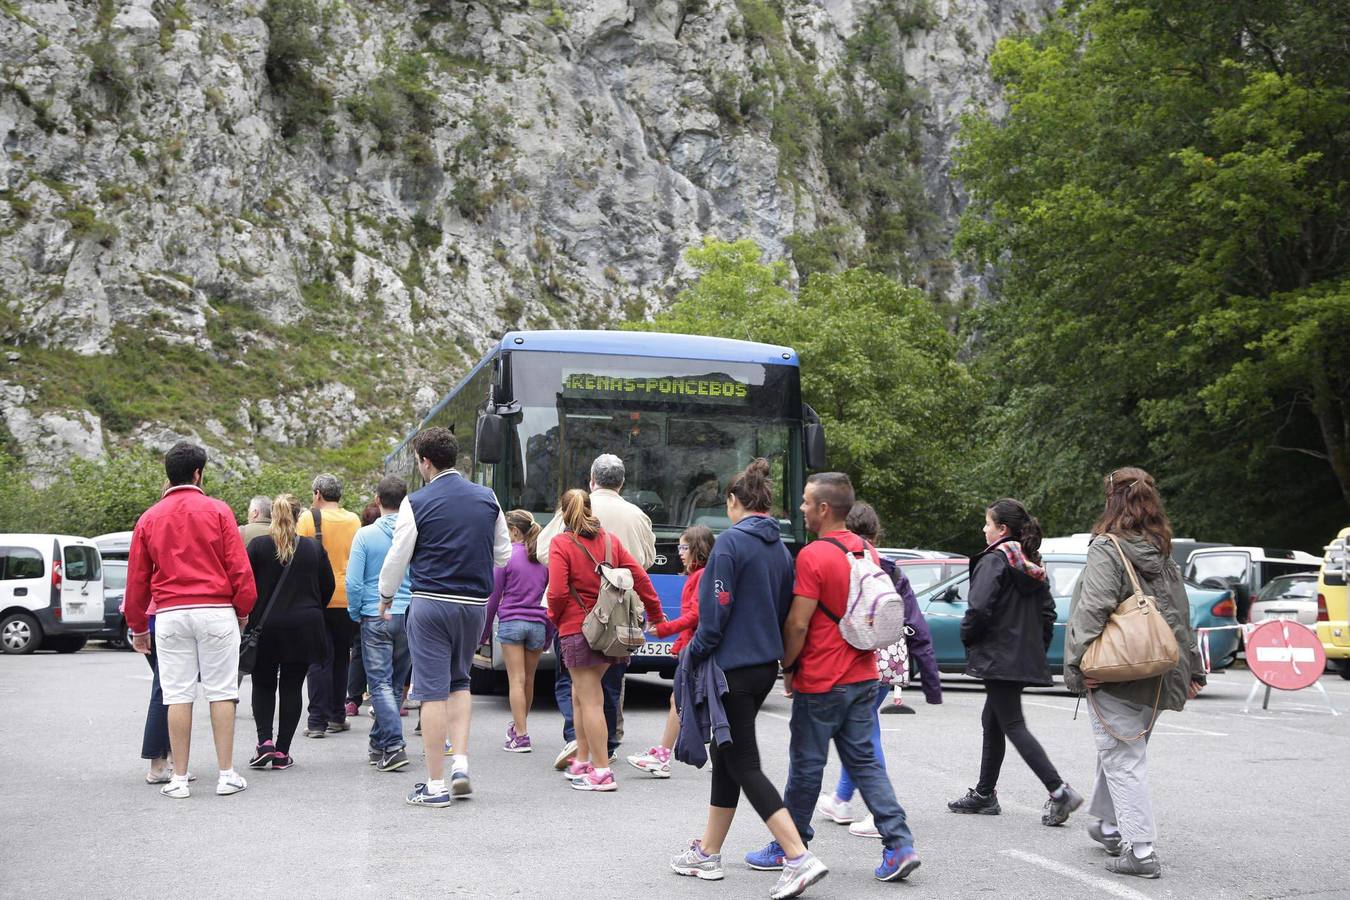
878 367
1167 201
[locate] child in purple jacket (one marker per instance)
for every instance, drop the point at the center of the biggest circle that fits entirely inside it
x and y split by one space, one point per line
522 621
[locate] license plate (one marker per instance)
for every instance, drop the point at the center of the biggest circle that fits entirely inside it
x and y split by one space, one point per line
654 649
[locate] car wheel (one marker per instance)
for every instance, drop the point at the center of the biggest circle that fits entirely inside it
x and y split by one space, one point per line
20 633
1345 669
123 639
67 644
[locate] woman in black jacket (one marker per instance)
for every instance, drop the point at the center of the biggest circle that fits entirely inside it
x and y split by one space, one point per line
1008 626
294 635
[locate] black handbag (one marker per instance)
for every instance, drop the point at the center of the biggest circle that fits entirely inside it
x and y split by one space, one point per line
248 643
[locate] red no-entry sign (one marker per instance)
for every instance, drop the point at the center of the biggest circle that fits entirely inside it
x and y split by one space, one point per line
1285 655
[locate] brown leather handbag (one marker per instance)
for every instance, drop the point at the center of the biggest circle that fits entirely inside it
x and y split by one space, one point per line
1136 643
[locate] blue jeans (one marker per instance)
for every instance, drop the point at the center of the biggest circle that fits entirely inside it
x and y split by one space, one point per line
843 715
844 789
155 743
611 683
384 651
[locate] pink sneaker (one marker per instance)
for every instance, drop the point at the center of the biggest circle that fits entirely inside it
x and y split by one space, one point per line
592 782
655 762
351 709
576 769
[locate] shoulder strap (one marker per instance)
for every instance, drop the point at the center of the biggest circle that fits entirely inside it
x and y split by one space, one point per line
1129 569
276 591
317 515
588 552
609 550
840 545
821 606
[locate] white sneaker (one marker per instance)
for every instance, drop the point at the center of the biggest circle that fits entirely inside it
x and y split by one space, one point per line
865 827
655 762
231 783
565 755
834 809
177 789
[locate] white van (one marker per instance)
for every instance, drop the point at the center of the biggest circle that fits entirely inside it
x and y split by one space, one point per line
51 592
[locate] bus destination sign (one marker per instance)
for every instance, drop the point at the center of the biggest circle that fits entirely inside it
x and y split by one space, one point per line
708 388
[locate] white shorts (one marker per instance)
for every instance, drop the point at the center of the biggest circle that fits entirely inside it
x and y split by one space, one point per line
193 643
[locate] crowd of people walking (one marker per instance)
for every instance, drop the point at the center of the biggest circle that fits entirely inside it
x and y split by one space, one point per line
393 605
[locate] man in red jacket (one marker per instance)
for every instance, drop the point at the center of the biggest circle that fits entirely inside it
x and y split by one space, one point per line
188 566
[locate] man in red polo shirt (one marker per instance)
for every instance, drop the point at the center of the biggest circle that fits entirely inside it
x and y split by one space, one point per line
833 684
188 560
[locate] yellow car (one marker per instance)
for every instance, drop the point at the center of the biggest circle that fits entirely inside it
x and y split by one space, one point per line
1333 603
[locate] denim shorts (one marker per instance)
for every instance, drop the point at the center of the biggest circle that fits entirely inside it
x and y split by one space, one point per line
522 631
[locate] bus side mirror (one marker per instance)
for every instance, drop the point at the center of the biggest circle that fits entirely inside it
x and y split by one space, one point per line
813 434
490 440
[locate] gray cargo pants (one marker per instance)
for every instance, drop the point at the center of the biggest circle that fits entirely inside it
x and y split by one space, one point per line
1120 793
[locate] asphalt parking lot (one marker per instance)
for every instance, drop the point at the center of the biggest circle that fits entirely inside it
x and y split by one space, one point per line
1249 805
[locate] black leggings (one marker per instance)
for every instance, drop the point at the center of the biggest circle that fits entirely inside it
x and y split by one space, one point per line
1003 717
265 691
735 767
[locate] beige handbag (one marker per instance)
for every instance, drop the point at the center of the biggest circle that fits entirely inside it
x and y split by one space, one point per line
1137 642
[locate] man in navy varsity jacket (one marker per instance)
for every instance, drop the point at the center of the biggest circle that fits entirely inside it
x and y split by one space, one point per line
448 537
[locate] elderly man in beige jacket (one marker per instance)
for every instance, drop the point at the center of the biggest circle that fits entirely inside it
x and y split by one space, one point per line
634 530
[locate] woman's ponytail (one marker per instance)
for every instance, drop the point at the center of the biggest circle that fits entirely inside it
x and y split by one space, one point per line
1022 525
283 527
523 521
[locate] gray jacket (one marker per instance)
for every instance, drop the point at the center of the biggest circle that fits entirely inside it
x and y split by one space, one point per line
1102 587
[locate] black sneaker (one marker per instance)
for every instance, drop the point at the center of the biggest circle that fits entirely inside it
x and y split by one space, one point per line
393 760
976 803
315 731
1057 811
263 756
374 756
282 761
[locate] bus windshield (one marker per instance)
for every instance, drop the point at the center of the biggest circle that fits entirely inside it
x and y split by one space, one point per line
682 427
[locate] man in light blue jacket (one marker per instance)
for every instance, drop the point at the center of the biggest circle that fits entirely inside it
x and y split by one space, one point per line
384 641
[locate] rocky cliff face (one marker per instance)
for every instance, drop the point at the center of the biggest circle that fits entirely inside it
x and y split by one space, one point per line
291 223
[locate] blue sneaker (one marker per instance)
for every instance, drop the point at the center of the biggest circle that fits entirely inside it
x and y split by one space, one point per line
897 863
420 796
459 784
769 859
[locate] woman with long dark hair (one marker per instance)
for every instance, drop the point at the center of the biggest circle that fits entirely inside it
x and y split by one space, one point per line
1123 713
293 636
1009 623
573 590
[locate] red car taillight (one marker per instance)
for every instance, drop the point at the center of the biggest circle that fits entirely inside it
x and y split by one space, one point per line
1322 615
1224 609
56 574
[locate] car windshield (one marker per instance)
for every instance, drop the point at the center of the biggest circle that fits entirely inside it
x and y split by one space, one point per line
1063 575
114 576
1290 589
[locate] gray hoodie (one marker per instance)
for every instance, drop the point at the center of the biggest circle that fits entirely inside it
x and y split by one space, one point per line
1102 587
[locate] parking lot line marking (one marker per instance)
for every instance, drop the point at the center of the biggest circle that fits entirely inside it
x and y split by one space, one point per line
1102 884
1183 731
1063 707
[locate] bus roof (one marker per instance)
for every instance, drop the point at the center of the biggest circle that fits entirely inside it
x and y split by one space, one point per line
620 343
650 343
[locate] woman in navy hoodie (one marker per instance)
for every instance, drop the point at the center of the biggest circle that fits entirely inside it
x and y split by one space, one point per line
743 599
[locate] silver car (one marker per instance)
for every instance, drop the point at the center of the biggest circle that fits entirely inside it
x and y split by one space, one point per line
1288 597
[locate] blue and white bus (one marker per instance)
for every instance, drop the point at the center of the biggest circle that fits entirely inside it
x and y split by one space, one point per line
684 412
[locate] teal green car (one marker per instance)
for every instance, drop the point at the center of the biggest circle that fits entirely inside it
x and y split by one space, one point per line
944 606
